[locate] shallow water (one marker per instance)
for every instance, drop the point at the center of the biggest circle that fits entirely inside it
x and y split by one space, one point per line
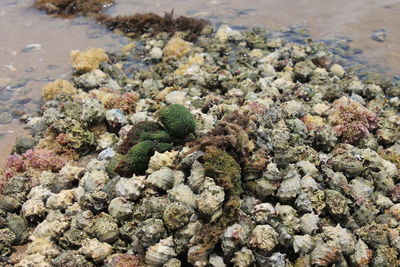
25 69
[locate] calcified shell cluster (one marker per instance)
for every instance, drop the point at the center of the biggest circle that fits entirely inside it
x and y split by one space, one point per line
239 149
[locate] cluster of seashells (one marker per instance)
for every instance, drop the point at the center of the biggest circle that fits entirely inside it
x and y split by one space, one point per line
294 161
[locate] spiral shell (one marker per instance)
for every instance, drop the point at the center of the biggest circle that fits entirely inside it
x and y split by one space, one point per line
211 198
130 188
183 193
197 176
235 236
261 213
159 160
96 250
162 179
303 243
341 237
120 208
324 254
243 258
289 188
94 180
104 227
161 252
309 223
264 238
150 232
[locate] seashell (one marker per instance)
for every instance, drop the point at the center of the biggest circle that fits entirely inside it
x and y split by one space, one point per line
289 188
18 225
162 179
264 238
61 200
248 203
53 226
183 193
103 227
324 255
69 258
161 252
336 203
187 160
365 214
288 216
130 188
307 168
179 177
243 258
34 260
184 234
39 192
174 262
72 173
120 208
361 188
395 211
33 209
341 237
234 237
197 176
159 160
309 223
303 243
272 172
303 203
381 201
362 255
276 259
94 180
43 246
263 212
150 232
197 256
95 250
211 199
394 238
216 261
96 165
308 184
72 238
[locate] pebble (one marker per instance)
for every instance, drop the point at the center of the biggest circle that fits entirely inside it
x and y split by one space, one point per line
5 118
379 35
32 47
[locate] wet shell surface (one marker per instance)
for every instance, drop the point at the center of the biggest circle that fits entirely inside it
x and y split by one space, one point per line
159 160
161 252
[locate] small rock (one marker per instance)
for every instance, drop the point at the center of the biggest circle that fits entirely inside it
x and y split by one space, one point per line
379 35
4 82
31 48
156 53
5 117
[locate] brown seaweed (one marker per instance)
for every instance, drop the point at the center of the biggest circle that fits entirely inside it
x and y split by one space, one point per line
152 23
71 7
131 26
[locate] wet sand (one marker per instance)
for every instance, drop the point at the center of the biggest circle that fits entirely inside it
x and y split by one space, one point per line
21 26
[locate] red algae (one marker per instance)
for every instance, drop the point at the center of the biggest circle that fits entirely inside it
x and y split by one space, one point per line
352 121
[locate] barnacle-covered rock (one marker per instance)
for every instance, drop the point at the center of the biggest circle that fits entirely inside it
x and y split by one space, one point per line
161 252
104 228
243 258
375 235
61 200
176 215
72 238
336 203
70 258
386 256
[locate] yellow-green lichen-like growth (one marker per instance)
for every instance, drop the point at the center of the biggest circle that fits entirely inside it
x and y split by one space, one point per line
224 169
177 120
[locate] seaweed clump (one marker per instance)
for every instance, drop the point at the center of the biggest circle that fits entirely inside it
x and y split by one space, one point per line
138 24
178 120
71 7
132 25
